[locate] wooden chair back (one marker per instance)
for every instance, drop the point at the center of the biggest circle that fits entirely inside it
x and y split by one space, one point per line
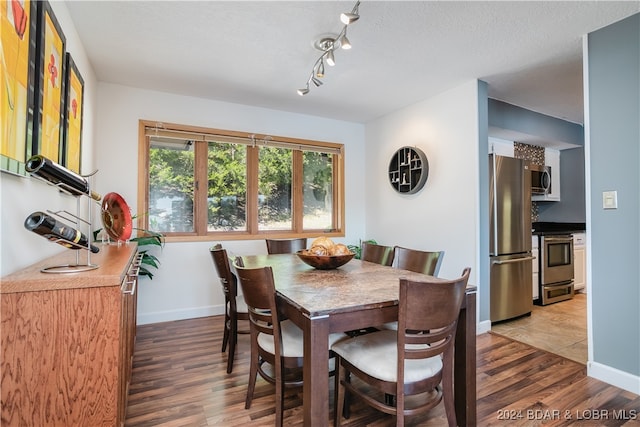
286 246
379 254
228 280
427 320
418 261
259 292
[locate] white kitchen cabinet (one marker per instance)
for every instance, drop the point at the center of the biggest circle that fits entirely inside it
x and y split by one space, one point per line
536 260
579 261
501 147
551 159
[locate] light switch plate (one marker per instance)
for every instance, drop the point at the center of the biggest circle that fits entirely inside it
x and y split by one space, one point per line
609 200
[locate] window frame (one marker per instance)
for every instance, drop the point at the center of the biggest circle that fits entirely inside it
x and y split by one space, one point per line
252 142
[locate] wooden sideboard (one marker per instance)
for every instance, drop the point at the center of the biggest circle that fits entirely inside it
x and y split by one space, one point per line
67 341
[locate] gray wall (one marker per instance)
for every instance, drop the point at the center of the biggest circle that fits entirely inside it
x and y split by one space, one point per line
529 123
571 207
614 153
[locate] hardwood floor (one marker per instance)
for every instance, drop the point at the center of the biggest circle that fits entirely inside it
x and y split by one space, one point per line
559 328
180 379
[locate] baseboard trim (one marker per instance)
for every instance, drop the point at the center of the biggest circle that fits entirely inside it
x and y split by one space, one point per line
170 315
615 377
482 327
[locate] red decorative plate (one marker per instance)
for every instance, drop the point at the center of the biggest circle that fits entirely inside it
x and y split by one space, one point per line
116 217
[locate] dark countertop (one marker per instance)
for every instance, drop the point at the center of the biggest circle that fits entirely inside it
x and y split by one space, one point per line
557 227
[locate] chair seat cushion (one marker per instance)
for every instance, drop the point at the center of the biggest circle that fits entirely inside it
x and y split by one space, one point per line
241 305
376 354
292 340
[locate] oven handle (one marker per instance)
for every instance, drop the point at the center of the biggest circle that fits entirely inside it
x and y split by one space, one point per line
511 261
559 238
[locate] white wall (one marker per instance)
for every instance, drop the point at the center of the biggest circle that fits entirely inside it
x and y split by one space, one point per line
21 196
185 285
444 214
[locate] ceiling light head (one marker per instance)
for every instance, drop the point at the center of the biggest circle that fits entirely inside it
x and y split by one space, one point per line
320 69
331 60
304 91
344 41
350 17
316 81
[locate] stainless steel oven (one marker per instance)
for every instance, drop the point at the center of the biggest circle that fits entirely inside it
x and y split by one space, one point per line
556 268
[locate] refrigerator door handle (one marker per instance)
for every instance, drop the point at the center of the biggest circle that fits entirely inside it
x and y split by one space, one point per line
510 261
494 208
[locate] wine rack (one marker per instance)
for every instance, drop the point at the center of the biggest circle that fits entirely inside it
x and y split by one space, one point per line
408 170
76 219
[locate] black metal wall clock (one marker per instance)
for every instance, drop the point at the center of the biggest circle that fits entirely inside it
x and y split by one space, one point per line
408 170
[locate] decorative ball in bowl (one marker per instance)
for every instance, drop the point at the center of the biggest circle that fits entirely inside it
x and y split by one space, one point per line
324 262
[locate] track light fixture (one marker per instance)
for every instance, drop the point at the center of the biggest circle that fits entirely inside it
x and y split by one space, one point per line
328 45
349 18
344 41
320 69
331 60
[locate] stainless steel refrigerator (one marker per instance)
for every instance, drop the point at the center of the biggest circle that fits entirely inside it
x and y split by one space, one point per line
510 238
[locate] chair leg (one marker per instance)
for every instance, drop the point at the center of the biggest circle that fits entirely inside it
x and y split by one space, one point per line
447 387
346 412
398 401
336 388
279 393
253 372
225 337
338 394
233 338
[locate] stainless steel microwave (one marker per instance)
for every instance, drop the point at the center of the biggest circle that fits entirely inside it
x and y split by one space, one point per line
540 179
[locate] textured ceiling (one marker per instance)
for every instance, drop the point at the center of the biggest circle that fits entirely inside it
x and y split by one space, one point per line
259 52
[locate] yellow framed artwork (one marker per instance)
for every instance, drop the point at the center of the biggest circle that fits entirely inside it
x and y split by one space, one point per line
74 104
18 28
49 114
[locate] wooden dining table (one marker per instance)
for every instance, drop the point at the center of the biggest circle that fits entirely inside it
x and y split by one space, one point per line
354 296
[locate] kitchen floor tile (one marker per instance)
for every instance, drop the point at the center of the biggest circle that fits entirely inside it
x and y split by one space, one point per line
559 328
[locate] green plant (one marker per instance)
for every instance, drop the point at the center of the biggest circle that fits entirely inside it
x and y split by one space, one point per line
149 238
358 249
146 239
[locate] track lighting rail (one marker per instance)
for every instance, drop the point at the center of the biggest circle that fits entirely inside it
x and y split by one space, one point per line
328 45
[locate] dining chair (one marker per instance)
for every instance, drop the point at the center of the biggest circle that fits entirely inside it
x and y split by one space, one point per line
235 307
277 346
376 253
417 261
286 246
417 359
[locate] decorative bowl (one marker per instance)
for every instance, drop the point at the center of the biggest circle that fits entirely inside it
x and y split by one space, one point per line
325 262
116 217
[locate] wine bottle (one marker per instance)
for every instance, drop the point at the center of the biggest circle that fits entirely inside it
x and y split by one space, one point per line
67 180
58 232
